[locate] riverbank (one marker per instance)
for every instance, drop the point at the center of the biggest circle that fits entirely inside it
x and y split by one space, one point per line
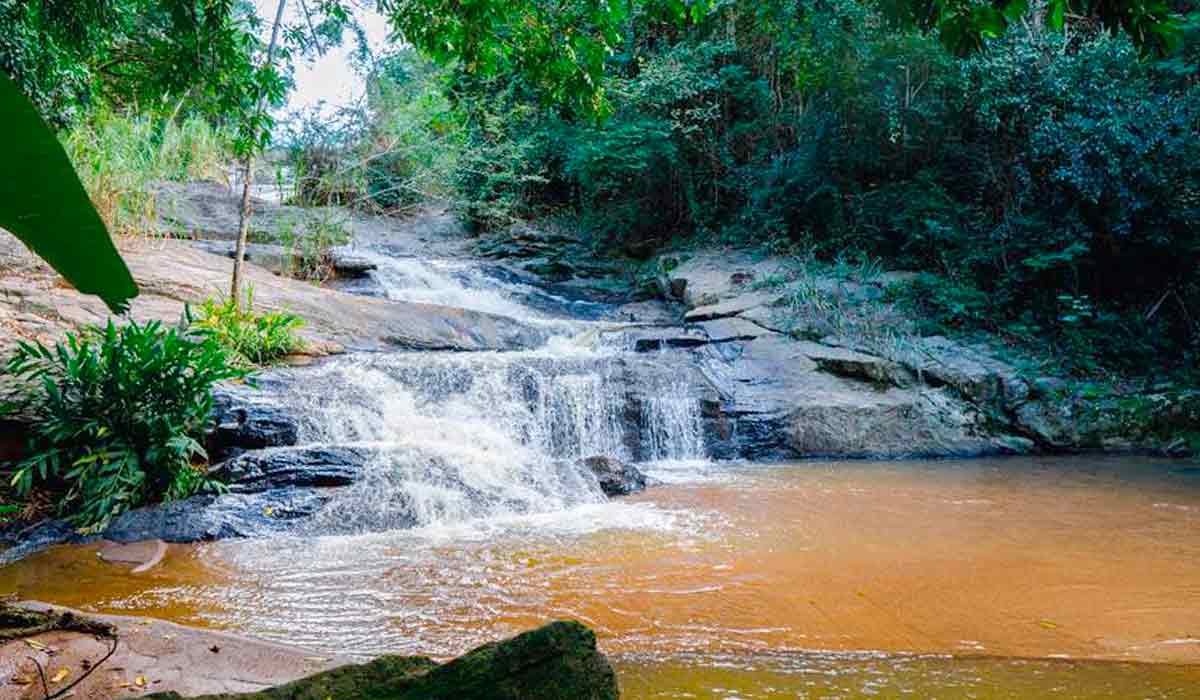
151 655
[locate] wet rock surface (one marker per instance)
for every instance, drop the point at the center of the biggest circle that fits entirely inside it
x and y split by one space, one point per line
616 477
242 421
298 467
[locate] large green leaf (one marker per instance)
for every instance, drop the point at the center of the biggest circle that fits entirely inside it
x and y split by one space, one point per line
43 203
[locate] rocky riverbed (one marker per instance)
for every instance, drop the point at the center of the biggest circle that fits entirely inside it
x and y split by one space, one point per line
753 372
452 381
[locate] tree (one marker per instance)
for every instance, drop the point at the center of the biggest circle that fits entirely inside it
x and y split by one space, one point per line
248 173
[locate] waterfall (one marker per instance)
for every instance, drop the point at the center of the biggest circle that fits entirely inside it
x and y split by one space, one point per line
462 436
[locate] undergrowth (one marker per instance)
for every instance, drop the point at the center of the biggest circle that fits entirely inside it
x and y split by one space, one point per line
251 339
119 413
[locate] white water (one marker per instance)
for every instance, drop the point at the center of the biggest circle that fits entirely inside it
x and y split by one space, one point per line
468 285
460 437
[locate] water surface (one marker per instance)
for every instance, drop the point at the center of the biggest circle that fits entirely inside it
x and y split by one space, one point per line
1021 578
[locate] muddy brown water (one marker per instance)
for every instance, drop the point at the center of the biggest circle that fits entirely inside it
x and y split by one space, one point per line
1015 578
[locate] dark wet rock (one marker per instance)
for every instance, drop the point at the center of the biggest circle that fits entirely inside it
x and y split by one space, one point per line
230 515
350 263
656 339
310 467
559 661
616 477
195 519
243 422
21 540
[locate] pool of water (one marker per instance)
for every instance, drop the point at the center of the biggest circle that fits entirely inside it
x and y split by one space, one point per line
1014 578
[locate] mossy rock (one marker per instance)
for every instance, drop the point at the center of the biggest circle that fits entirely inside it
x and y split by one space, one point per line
556 662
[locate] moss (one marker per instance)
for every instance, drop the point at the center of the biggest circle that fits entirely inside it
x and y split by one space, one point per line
556 662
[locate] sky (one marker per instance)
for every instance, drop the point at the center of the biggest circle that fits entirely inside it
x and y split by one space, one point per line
328 79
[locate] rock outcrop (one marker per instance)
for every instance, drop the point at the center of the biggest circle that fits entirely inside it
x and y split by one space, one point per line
559 661
858 380
835 394
173 273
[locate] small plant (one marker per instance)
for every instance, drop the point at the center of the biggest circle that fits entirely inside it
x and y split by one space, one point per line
307 241
120 412
251 339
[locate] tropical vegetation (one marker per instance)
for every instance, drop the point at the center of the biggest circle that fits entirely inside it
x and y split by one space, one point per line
118 417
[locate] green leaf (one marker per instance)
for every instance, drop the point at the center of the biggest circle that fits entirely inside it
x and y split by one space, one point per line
1058 9
43 203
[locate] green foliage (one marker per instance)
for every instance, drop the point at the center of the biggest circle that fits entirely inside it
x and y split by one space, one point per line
119 415
43 203
249 338
1042 166
306 240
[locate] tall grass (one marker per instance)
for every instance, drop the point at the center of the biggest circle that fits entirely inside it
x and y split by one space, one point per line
119 158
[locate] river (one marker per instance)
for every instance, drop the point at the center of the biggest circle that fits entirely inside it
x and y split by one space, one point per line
995 578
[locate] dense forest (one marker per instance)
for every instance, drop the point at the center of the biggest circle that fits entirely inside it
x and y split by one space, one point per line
1037 163
1047 185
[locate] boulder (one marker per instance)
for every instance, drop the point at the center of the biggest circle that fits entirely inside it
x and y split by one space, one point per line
243 422
197 519
892 424
777 398
706 278
616 478
208 517
350 263
559 661
309 467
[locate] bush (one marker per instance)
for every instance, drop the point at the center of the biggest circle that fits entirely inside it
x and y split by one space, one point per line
250 339
391 154
119 415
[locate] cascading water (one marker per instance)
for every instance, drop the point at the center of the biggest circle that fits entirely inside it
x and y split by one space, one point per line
464 436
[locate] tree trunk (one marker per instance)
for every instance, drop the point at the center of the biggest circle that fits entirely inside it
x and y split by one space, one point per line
247 176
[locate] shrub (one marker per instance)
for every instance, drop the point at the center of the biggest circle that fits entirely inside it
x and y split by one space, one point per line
251 339
119 414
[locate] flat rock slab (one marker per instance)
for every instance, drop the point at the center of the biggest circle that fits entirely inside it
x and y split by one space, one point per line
731 307
142 556
161 655
35 304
